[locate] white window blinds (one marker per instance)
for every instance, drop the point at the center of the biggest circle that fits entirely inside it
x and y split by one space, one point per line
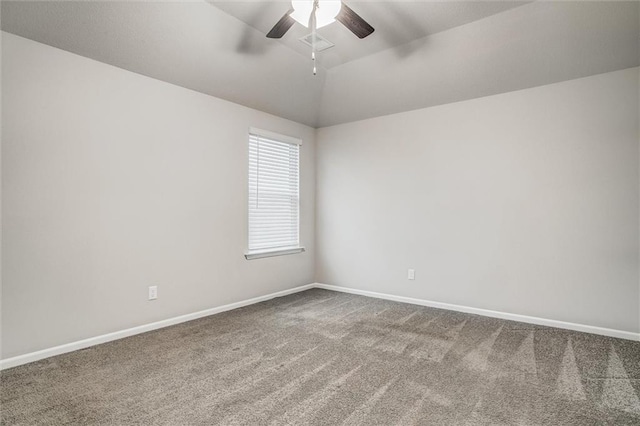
274 207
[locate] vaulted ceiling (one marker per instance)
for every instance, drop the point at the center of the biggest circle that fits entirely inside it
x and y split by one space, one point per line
423 53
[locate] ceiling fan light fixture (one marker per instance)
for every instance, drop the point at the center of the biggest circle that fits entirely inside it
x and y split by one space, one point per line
325 14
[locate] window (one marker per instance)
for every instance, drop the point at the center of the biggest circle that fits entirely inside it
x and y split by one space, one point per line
274 198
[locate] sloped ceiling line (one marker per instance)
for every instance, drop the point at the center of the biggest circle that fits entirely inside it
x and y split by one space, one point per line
422 53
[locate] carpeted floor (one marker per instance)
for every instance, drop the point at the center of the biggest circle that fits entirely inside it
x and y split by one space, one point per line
326 358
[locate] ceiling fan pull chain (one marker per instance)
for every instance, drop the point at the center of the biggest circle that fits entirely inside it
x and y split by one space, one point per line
313 25
313 51
313 58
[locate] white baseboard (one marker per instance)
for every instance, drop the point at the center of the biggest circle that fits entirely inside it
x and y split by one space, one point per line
85 343
81 344
488 313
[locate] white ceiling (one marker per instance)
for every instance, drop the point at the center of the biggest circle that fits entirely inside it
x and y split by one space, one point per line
532 45
422 53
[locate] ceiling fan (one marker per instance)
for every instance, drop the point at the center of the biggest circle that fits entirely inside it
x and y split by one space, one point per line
316 14
325 12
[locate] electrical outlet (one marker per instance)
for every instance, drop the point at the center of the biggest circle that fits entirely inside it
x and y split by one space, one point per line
153 292
411 274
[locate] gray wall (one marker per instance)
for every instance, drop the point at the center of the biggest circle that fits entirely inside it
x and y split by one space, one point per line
112 182
525 202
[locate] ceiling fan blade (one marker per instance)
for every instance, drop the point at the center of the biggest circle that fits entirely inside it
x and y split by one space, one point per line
354 22
282 26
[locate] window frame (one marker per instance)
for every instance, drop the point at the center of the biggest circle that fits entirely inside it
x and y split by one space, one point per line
272 251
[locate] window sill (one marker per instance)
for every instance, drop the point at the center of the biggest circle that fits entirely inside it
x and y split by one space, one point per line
270 253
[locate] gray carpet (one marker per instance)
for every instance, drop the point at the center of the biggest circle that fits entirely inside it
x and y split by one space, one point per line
326 358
